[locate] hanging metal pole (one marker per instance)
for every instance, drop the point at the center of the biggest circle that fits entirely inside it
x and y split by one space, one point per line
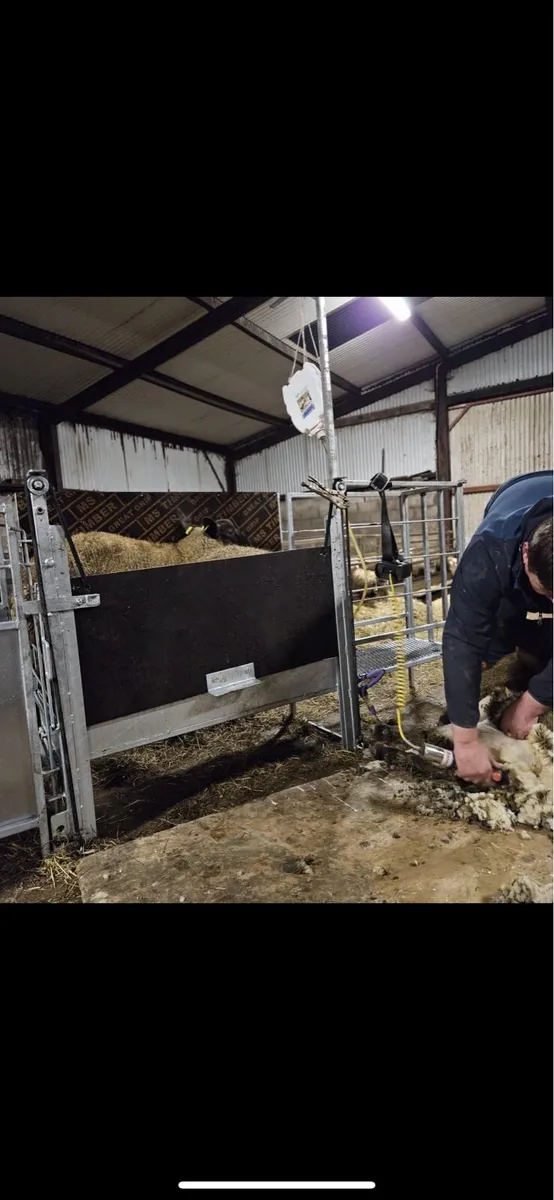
324 366
340 561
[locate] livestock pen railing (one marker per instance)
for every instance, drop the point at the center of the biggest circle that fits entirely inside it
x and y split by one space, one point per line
427 518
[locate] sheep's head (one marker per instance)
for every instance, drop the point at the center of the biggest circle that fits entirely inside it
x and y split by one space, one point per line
207 527
222 530
228 532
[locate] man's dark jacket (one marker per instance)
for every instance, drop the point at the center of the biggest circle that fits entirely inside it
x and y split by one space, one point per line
490 591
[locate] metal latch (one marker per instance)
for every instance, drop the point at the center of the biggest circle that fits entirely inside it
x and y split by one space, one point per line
234 679
70 603
32 608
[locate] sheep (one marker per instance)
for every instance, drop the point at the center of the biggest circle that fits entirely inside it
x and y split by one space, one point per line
109 553
358 581
358 577
435 564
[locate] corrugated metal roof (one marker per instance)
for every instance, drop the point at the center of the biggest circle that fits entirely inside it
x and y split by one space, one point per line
492 442
101 460
43 374
144 404
230 362
287 316
125 325
235 366
456 319
19 446
525 360
380 352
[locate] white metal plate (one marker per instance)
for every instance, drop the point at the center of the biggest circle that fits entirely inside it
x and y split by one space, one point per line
233 679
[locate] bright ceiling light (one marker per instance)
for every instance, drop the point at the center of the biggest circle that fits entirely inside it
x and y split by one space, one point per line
397 305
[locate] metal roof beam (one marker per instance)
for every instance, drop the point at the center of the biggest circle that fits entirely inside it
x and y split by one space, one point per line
274 343
171 346
431 338
498 339
28 404
501 391
102 358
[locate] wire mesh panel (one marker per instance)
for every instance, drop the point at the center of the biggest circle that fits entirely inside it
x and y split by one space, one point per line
383 655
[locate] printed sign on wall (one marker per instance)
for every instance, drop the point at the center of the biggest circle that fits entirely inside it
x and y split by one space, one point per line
154 516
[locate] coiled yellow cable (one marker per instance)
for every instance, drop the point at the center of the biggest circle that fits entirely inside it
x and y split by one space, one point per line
402 681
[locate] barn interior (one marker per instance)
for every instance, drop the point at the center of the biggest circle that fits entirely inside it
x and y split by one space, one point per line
156 419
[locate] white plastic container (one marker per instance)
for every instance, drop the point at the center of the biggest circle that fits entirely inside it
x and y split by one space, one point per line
303 396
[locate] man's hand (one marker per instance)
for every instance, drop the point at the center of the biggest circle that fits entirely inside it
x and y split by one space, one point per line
474 763
520 717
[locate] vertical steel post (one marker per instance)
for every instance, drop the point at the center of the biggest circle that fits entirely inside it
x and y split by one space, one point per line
406 550
442 547
52 570
347 674
460 521
427 567
290 523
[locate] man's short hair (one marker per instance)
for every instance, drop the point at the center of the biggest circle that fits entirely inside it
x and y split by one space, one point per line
540 553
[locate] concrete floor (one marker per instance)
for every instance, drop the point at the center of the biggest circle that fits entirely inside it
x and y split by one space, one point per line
347 838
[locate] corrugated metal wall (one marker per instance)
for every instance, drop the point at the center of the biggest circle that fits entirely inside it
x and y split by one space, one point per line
525 360
409 448
98 459
493 442
19 446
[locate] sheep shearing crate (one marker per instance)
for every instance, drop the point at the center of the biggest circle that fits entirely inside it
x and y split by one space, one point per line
150 655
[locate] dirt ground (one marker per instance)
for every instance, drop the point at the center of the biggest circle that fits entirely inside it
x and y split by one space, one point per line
155 789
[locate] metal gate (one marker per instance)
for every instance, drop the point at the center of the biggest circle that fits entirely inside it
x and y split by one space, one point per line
22 781
45 780
428 522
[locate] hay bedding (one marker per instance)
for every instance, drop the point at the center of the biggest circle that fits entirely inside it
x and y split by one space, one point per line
108 553
382 607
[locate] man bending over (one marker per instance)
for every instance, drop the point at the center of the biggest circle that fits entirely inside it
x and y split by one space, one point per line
504 573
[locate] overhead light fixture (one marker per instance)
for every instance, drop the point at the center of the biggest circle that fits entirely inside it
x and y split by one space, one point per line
398 306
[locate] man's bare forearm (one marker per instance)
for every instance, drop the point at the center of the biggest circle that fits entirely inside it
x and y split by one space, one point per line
464 737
